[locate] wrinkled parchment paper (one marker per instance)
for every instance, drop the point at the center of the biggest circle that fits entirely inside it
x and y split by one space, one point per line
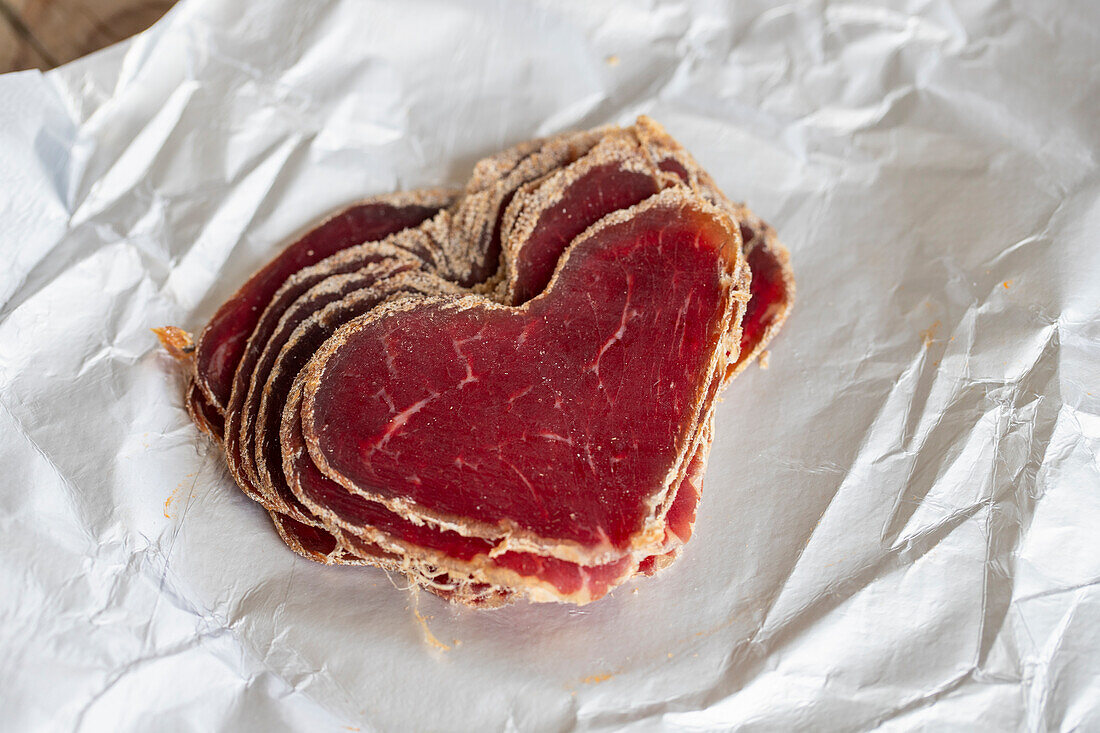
901 515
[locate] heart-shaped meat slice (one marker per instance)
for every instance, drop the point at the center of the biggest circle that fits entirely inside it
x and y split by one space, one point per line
563 424
489 190
772 288
600 175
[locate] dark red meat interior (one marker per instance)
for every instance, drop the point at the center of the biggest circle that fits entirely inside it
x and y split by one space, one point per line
769 296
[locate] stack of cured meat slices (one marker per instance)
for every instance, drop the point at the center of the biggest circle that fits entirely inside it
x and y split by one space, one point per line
506 391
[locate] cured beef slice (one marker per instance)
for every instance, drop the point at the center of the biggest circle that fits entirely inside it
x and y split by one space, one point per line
524 422
202 413
773 288
219 348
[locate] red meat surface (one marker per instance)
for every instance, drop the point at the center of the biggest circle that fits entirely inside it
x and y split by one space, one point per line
770 296
533 417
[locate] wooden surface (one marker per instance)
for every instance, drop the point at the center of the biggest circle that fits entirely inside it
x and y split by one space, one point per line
40 34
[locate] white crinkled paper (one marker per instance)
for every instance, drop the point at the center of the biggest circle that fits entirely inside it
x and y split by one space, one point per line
900 521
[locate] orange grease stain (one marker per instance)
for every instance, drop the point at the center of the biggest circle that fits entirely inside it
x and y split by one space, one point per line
171 498
928 335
